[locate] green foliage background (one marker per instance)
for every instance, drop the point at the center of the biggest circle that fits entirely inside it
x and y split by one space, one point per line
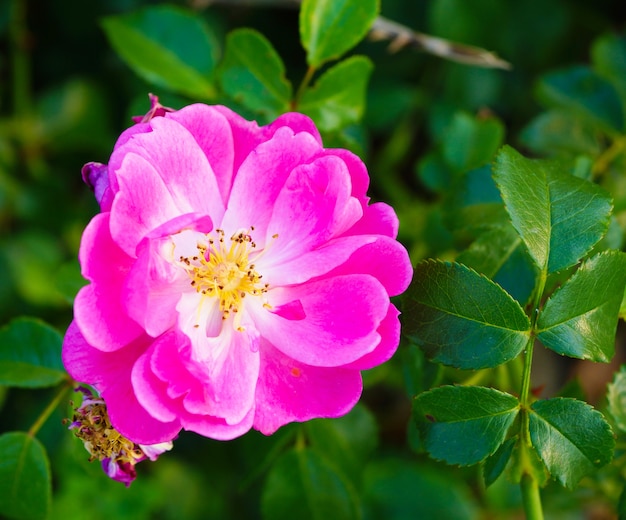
428 130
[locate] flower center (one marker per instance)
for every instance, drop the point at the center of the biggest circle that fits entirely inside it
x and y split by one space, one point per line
224 271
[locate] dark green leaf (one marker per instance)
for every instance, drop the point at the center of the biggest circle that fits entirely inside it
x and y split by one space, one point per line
464 424
403 490
584 93
616 397
330 28
580 318
558 216
168 46
461 318
495 464
571 438
609 60
471 142
474 204
347 441
434 173
500 255
338 97
253 74
304 482
560 133
25 485
30 354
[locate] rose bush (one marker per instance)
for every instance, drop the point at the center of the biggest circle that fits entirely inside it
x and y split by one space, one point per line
239 277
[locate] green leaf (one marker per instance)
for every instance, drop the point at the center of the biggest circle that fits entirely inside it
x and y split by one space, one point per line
616 397
403 490
253 74
30 354
25 484
461 318
583 92
560 133
167 46
348 441
471 142
609 59
500 255
464 424
558 216
496 463
580 318
571 438
338 97
330 28
302 481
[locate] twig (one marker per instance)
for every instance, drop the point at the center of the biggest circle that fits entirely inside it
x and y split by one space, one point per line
400 36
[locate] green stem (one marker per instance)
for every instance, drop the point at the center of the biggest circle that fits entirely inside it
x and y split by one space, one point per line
305 83
530 487
531 498
43 417
603 162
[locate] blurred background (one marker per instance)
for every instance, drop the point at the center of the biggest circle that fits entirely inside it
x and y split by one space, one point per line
65 96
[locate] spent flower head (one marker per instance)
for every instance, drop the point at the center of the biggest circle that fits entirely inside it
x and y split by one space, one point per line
119 455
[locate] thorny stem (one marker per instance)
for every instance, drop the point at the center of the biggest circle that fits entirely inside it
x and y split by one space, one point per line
43 416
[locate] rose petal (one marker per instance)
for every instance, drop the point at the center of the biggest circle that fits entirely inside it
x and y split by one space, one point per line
340 324
289 390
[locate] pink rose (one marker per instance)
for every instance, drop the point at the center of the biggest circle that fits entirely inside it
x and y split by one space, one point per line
238 276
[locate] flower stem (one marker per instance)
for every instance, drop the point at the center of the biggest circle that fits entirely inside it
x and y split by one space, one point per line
43 417
531 498
303 85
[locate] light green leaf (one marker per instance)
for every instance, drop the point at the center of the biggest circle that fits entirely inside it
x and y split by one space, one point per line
583 92
25 484
330 28
571 438
168 46
471 142
303 481
558 216
616 397
461 318
338 97
464 424
30 354
580 318
348 441
253 74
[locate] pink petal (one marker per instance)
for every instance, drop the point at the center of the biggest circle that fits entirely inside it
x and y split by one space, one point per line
311 264
261 178
213 134
385 259
289 390
99 307
297 122
358 172
342 315
378 219
221 385
313 206
154 285
389 331
110 374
